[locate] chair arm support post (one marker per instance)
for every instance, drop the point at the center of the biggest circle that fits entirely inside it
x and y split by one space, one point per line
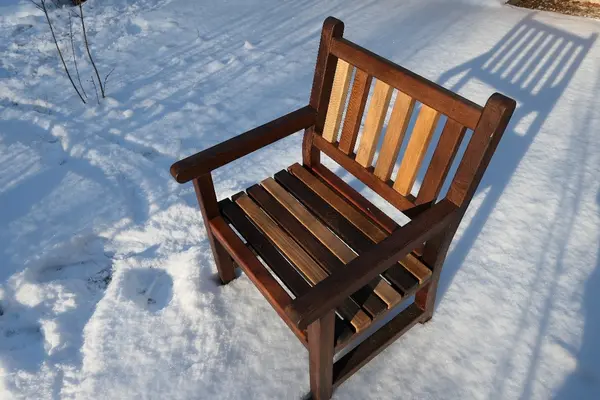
331 291
230 150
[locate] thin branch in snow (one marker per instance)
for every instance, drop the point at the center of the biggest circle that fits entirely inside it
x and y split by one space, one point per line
95 88
74 57
36 5
42 6
87 47
107 75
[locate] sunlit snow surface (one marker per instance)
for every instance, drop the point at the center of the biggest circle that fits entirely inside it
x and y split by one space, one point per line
107 283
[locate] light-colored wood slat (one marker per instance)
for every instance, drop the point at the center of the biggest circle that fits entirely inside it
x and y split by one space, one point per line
416 149
355 110
336 201
378 106
394 135
325 236
417 268
316 227
292 250
337 102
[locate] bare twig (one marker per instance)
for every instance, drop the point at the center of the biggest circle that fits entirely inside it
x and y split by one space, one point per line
95 88
107 75
87 47
36 5
74 57
42 6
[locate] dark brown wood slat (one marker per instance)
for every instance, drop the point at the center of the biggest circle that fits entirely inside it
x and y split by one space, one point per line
328 293
375 344
447 102
300 259
384 189
258 274
278 264
331 241
353 197
402 279
361 243
440 163
355 110
363 297
358 219
415 266
333 219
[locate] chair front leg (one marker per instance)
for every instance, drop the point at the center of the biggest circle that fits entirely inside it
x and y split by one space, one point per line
205 192
320 355
434 254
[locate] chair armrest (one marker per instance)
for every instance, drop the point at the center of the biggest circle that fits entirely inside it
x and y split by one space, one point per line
241 145
331 291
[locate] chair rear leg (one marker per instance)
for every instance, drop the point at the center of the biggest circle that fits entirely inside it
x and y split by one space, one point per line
205 192
320 355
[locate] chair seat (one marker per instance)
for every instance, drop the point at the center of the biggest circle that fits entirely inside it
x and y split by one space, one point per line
302 229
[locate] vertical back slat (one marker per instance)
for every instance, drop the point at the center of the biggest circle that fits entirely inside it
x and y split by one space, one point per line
380 101
396 129
441 161
337 101
416 149
355 110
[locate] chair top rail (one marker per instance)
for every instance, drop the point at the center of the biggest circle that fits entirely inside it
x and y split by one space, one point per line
425 91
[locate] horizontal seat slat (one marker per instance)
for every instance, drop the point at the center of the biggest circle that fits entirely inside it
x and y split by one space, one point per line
311 270
321 232
328 261
352 196
258 274
334 200
278 264
359 242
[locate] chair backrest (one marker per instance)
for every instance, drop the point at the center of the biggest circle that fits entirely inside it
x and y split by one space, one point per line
347 75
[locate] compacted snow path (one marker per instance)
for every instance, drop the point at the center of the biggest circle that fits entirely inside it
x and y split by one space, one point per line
107 283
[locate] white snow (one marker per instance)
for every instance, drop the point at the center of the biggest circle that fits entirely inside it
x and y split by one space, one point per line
107 283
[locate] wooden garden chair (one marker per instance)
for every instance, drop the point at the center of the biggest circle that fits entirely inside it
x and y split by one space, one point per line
346 263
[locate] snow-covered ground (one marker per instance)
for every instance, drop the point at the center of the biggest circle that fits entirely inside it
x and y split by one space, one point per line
107 284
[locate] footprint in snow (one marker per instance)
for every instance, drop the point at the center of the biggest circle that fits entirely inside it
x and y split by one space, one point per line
149 288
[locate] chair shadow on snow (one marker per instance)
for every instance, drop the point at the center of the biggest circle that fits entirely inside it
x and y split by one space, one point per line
584 382
533 63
